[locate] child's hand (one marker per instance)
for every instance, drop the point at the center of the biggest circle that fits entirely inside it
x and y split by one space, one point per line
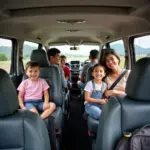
46 106
106 100
24 108
102 101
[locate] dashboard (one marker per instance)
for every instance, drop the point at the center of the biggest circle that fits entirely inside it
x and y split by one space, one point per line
75 68
75 65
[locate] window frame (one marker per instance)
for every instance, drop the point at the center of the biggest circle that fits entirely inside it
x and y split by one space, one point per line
131 42
38 47
109 47
13 59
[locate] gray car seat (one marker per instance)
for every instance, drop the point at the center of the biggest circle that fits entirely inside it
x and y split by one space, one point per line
126 113
91 122
19 129
52 75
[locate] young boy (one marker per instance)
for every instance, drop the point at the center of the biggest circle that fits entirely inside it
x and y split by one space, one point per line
65 69
32 90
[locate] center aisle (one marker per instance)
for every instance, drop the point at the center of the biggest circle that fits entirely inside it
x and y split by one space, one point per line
76 137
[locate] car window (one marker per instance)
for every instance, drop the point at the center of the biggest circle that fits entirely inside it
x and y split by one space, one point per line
118 46
5 54
28 47
81 54
142 46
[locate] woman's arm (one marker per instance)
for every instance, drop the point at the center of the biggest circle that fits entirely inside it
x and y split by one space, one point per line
93 100
109 93
117 92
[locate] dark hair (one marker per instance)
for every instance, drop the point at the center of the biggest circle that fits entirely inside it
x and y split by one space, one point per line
62 56
32 64
52 52
98 65
94 54
108 52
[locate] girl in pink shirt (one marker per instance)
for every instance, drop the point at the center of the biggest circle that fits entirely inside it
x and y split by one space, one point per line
31 92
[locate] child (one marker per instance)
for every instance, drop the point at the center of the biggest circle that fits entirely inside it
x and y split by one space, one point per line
65 69
94 91
32 90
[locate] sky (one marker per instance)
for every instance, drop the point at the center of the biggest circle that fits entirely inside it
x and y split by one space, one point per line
140 41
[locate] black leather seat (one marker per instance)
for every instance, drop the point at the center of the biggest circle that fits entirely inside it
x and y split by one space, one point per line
126 113
51 74
19 129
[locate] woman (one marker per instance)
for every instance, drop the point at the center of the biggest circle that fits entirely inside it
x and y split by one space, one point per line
111 61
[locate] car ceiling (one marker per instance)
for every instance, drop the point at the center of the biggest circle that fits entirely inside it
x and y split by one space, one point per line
106 20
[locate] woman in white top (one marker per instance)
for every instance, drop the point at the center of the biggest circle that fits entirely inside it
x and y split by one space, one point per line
111 61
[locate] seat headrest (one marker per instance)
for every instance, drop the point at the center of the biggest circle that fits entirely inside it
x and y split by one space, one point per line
8 95
89 76
138 84
40 56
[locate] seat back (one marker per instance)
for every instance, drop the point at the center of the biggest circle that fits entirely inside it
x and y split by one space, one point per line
126 113
89 76
20 130
51 74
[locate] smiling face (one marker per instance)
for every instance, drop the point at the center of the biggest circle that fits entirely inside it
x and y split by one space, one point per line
98 73
112 62
33 73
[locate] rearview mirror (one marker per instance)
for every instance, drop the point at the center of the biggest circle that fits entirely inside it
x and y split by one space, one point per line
74 48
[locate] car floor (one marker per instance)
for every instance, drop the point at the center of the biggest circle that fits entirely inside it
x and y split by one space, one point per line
76 131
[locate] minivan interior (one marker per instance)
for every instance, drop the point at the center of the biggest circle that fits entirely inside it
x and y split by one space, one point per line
29 29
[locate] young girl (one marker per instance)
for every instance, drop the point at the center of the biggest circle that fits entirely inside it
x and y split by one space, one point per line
32 90
94 91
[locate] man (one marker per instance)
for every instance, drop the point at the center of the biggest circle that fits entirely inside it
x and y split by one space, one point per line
54 59
94 59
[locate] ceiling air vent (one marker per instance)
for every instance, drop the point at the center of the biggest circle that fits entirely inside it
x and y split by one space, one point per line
72 31
71 21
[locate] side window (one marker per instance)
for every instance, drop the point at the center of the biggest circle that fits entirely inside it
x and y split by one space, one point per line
142 47
118 46
28 47
5 54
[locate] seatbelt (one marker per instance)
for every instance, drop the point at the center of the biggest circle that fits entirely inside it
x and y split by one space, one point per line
117 80
21 64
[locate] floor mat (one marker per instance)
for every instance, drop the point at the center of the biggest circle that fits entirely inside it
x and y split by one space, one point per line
76 136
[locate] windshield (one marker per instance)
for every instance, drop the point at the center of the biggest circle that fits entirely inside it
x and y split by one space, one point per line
81 55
